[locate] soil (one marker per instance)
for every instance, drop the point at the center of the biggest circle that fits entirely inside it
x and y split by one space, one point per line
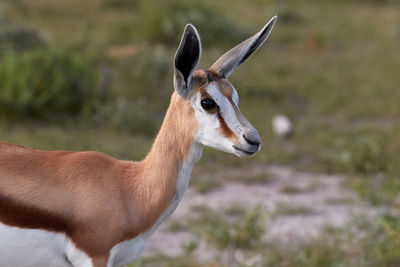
300 205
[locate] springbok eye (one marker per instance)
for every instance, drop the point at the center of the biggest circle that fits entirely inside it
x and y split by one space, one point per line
208 104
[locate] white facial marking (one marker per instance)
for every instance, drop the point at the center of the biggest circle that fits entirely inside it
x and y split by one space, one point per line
235 97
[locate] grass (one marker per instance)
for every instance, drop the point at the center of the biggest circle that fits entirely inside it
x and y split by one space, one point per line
76 137
377 189
291 210
180 261
293 189
214 179
205 186
176 226
234 227
250 178
339 201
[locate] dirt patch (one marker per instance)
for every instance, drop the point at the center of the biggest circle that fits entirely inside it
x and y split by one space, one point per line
299 206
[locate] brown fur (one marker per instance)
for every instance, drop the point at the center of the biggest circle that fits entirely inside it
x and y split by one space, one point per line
225 130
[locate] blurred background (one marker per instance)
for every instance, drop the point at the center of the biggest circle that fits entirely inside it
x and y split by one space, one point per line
97 75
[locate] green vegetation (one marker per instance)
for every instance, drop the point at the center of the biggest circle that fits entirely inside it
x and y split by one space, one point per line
180 261
293 189
162 27
234 227
204 186
249 178
17 38
288 210
378 189
45 83
382 243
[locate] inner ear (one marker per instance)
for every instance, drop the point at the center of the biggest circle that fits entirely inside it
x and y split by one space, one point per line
186 59
189 53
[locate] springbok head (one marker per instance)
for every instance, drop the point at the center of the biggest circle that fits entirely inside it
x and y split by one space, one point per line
214 99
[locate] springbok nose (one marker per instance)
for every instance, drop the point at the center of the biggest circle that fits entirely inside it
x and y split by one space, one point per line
252 138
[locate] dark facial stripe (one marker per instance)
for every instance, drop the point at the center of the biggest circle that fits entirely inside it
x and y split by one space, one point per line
225 130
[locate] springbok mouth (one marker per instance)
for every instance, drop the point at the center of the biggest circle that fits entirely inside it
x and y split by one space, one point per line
245 151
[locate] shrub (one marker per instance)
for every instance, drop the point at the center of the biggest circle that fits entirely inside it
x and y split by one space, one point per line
131 117
119 4
145 78
44 83
164 19
381 244
17 38
366 156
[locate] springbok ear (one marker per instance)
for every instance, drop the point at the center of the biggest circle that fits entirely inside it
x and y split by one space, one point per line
232 59
186 58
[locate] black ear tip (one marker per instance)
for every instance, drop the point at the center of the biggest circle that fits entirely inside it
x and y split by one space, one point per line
192 35
268 27
190 29
190 26
271 22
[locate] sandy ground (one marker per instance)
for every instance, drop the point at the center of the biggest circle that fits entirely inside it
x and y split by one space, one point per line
324 199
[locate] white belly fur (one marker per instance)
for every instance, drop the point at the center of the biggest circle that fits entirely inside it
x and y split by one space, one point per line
21 247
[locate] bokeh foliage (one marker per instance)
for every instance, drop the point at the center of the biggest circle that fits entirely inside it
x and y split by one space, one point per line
46 83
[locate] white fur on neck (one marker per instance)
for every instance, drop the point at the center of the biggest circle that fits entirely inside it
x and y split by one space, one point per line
128 251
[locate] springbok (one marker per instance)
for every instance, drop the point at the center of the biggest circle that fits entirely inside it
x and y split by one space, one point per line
82 209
